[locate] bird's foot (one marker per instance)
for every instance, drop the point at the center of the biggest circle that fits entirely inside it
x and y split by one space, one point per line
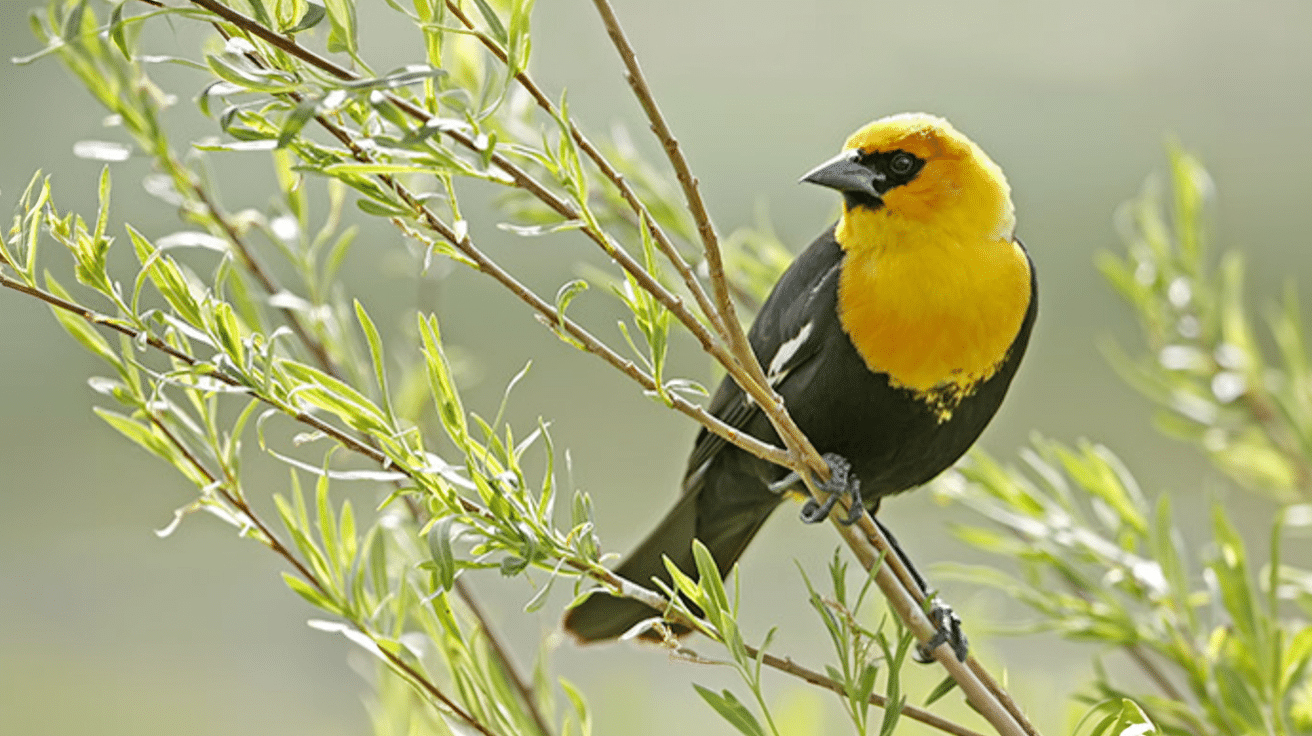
948 624
841 483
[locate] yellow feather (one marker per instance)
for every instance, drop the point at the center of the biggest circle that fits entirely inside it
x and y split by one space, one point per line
934 289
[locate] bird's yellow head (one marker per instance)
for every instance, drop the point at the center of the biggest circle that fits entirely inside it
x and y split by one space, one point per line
934 288
918 168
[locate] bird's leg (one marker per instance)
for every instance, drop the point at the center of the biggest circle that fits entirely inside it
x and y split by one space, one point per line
945 620
841 483
948 625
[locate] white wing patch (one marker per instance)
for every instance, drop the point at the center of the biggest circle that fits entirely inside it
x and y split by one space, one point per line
779 364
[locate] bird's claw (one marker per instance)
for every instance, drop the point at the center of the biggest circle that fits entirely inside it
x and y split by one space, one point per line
841 483
948 625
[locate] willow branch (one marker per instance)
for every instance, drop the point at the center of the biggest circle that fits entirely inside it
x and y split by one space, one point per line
658 233
272 542
235 500
246 256
758 389
926 717
552 318
696 205
601 574
629 589
499 650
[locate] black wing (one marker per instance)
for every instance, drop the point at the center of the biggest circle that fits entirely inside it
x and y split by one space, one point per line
788 332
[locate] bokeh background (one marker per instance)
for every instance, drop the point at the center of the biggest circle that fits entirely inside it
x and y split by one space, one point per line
106 629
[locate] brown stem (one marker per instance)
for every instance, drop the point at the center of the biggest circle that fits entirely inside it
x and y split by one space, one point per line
502 654
238 503
432 690
758 389
926 717
658 233
696 205
267 282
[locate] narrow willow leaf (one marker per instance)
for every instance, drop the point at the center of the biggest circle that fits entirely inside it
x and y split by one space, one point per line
342 18
442 553
309 593
403 77
493 22
710 581
79 329
234 70
314 15
732 710
375 343
296 120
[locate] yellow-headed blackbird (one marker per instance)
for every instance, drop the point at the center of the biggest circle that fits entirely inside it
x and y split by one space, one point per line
892 340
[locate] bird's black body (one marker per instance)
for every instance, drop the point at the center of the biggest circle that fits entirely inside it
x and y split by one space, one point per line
894 439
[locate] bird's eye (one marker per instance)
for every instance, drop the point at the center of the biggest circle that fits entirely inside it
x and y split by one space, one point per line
902 163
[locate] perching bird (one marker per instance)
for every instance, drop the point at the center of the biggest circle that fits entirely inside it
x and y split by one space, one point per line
892 340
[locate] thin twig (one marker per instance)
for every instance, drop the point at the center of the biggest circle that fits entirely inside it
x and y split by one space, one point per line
696 205
980 688
758 388
267 536
502 654
929 718
1150 668
608 171
606 577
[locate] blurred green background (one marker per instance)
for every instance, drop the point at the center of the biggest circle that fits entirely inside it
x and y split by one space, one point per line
106 629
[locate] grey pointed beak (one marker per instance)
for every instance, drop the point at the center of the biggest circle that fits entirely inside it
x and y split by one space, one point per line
844 174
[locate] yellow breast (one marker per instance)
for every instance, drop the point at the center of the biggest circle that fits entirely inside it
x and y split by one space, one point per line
934 311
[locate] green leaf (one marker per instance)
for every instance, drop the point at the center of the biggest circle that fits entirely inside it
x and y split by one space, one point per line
441 384
78 327
296 120
309 593
116 30
370 169
141 433
375 343
441 551
717 600
227 333
236 70
403 77
943 688
341 16
579 704
493 22
314 15
732 710
334 395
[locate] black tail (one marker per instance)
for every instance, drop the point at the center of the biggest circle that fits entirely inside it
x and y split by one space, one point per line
724 518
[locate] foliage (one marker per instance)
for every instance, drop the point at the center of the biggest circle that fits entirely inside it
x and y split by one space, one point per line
1224 639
